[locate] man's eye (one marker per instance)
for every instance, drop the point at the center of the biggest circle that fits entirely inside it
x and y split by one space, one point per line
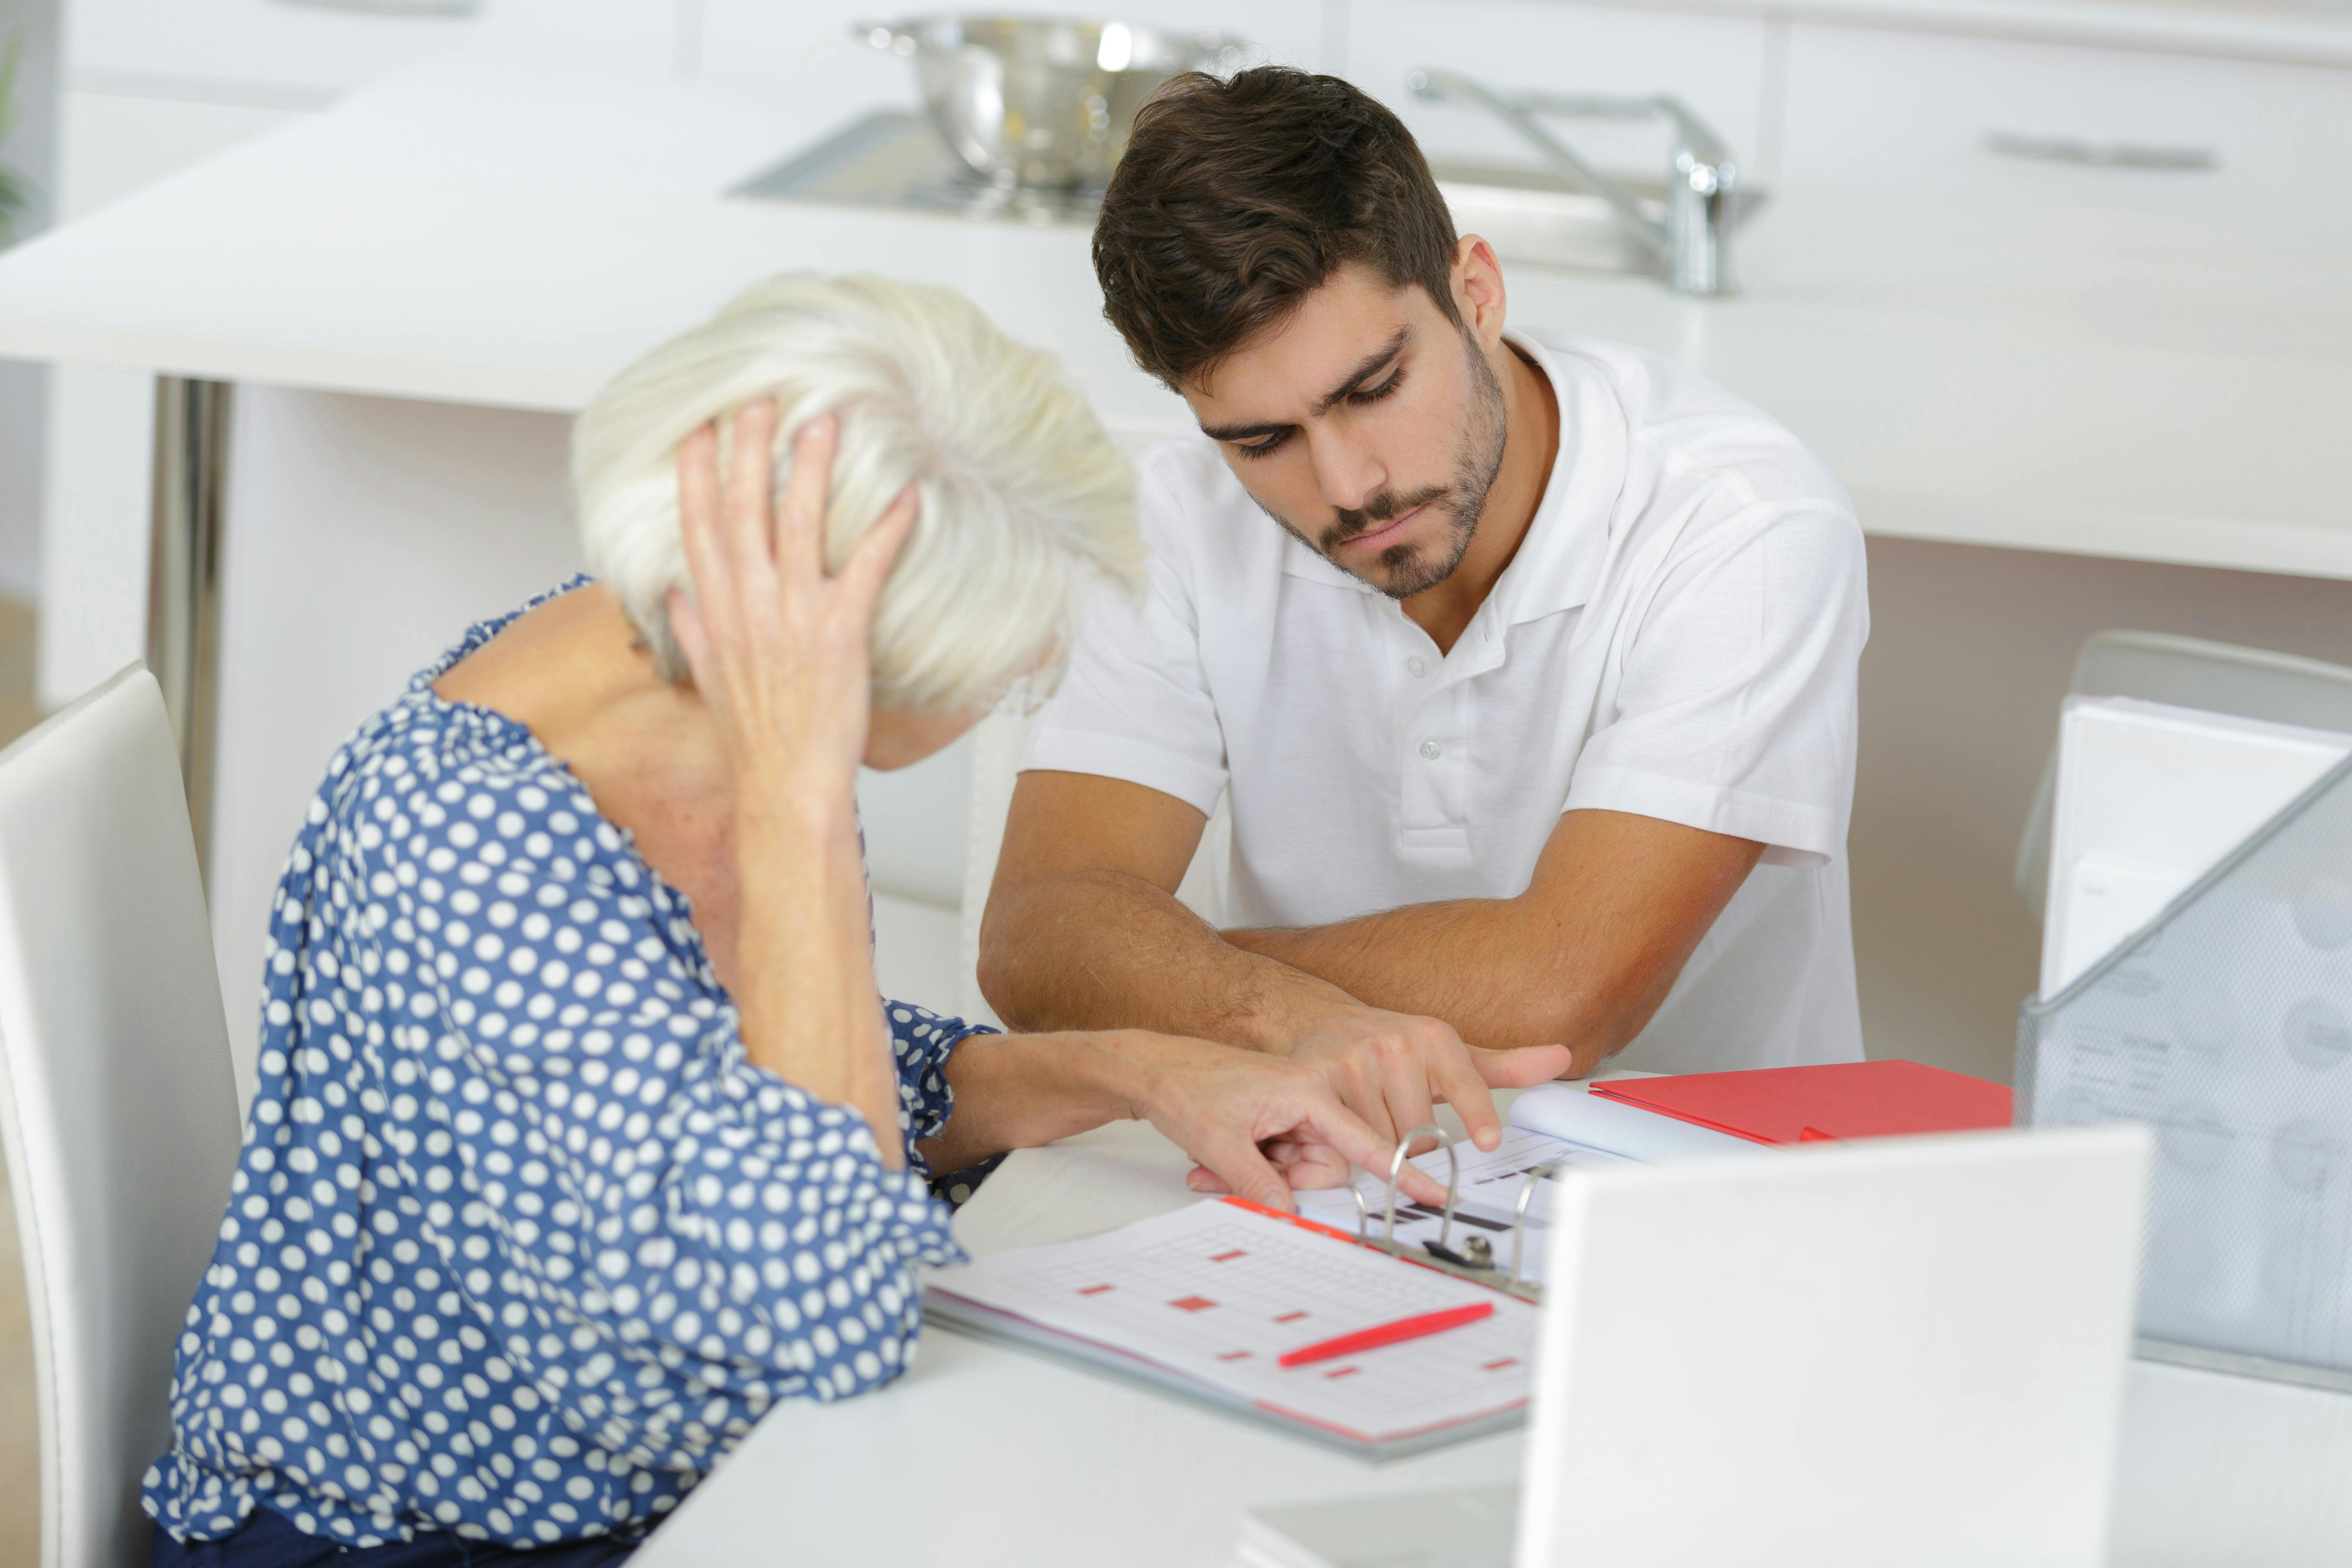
1261 448
1374 393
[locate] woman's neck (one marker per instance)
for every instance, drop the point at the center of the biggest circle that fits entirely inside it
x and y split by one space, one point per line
574 672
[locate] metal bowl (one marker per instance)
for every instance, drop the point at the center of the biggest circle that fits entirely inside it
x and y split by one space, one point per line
1043 101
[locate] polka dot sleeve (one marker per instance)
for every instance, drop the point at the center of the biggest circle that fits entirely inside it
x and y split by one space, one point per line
718 1228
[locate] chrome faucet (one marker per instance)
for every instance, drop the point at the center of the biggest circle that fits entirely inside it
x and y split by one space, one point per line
1694 245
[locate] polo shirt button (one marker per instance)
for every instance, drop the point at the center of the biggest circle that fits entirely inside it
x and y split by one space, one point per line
1429 749
1418 666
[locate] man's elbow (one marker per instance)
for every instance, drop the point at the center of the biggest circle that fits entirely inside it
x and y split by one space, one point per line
1594 1021
999 970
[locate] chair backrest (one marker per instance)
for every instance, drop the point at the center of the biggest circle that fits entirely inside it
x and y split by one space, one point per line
116 1100
2187 672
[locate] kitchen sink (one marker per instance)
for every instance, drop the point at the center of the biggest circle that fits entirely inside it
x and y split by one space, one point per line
1533 220
892 160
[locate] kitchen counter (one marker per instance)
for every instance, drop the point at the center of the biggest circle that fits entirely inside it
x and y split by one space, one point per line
2082 382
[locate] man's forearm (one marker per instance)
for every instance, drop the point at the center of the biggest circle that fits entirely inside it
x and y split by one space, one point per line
1582 959
1089 950
1470 962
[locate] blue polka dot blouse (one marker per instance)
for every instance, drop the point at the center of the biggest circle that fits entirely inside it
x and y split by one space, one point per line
519 1243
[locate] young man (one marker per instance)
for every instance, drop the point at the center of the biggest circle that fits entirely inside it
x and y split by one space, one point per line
1525 661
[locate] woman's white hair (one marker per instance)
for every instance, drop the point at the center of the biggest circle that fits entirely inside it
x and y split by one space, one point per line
1024 496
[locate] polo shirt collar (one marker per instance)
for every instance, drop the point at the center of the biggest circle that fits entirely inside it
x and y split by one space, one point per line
1560 561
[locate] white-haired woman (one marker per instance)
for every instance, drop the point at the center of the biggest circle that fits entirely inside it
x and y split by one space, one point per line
581 1138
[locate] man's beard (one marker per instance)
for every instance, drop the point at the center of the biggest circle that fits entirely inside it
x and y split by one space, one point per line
1476 464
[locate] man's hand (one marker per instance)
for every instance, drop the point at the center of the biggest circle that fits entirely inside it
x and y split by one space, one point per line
1260 1125
1390 1067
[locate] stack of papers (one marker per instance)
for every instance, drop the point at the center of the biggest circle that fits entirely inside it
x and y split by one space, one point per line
1206 1301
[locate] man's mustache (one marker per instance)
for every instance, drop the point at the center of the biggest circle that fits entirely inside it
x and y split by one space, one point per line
1378 512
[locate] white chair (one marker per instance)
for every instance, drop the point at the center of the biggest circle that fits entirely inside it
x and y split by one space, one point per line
2187 672
116 1100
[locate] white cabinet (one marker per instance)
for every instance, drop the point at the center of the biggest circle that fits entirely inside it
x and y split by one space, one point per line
297 52
1907 119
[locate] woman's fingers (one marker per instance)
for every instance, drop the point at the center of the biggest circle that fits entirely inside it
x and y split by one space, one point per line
699 505
1315 1165
1235 1161
1330 1123
863 574
800 510
686 627
748 493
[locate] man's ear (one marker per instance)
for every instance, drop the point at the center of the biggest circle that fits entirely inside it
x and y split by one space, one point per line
1478 288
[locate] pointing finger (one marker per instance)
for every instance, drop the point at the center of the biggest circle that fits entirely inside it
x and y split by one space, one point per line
1237 1162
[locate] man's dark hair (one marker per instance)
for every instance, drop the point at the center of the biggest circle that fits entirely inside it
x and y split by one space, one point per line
1235 199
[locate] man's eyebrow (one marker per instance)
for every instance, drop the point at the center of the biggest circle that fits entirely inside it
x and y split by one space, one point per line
1370 365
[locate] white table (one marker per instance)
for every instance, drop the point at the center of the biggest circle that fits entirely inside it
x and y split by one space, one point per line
985 1455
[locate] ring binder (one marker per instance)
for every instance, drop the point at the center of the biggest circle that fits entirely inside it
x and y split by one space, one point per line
1475 1259
1453 1179
1519 1213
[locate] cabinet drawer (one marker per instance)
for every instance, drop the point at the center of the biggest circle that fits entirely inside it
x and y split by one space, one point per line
2214 141
302 52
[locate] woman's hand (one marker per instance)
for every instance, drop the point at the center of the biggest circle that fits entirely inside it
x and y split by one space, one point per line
1258 1126
781 653
783 662
1262 1124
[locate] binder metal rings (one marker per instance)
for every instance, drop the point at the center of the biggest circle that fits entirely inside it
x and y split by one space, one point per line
1440 1254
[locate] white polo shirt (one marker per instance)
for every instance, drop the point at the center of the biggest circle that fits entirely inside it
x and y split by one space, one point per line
1677 637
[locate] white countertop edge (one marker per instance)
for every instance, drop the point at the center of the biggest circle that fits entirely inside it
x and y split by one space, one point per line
2236 544
2283 40
426 378
2245 544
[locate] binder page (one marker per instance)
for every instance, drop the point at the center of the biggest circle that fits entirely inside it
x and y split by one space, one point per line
1218 1292
1566 1110
1485 1202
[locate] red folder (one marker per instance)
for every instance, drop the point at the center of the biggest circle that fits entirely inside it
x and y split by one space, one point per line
1836 1099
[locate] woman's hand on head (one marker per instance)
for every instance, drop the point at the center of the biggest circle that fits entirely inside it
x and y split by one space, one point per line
781 651
1258 1125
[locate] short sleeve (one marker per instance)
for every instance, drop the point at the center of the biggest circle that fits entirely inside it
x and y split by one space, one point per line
1134 703
1734 711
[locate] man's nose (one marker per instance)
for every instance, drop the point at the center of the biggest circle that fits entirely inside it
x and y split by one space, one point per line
1348 472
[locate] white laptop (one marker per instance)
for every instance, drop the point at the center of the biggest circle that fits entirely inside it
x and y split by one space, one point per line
1896 1350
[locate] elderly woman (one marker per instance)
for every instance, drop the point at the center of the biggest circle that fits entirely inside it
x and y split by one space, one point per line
581 1138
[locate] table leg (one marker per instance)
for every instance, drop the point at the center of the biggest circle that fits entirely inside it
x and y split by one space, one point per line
183 578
